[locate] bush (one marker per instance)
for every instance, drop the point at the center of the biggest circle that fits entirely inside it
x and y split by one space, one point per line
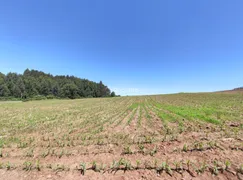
39 97
9 99
50 97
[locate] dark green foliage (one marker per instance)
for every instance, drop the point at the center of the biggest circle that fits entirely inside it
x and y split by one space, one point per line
69 90
39 85
113 94
4 91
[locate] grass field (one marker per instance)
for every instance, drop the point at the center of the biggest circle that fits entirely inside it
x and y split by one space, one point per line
147 137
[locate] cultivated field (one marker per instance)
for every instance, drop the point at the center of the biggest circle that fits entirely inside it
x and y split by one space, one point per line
181 136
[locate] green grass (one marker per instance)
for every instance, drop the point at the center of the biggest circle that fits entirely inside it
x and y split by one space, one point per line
190 113
134 106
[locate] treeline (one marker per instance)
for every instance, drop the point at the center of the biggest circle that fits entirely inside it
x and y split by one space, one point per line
34 84
239 88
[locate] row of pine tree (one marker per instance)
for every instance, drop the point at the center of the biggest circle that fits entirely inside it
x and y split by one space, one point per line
33 83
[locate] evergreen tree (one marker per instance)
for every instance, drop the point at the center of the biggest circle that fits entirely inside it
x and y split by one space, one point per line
36 83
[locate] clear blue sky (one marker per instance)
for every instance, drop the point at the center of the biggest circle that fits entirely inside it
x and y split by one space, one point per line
134 46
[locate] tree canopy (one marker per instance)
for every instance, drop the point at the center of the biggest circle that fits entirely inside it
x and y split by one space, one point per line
36 83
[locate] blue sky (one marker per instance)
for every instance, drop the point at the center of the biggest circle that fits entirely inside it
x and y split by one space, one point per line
133 46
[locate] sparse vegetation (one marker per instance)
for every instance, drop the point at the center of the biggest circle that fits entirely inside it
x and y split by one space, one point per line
155 133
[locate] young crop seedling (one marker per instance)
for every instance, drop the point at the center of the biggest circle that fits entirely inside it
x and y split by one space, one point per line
127 150
94 166
31 140
154 151
188 164
22 145
128 165
53 153
149 139
155 163
240 169
178 166
83 168
45 153
60 168
61 154
8 166
173 137
168 170
181 128
138 163
216 168
141 148
227 165
30 153
125 163
102 167
185 148
27 166
114 165
37 165
202 168
164 167
198 146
